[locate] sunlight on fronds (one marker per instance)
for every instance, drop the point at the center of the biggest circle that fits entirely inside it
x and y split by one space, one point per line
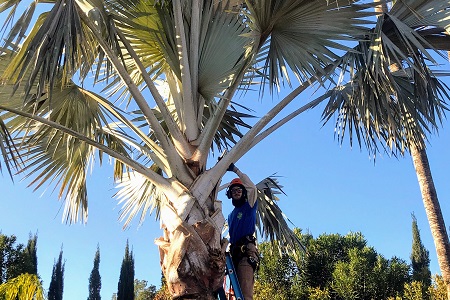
10 153
394 108
301 36
25 286
138 195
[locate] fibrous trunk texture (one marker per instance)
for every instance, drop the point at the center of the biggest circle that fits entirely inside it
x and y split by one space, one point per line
192 257
434 213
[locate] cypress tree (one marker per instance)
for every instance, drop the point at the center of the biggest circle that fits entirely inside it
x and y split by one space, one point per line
95 283
55 291
420 259
125 287
31 255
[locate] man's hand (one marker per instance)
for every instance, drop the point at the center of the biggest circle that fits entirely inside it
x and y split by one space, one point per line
231 167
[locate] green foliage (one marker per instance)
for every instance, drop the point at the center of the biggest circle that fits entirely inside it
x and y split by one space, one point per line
56 289
15 258
414 291
142 292
31 255
357 271
125 287
368 275
95 280
323 253
24 286
319 294
420 260
438 289
277 270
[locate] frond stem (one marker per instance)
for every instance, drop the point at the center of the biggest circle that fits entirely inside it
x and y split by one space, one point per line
175 131
154 177
174 159
188 104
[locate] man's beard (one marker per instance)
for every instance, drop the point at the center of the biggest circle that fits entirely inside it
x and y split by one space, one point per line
238 202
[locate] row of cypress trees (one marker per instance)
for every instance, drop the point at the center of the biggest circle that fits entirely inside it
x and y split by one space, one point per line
18 260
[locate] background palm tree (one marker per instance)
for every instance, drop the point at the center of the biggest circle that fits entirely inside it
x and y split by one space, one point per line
412 83
178 66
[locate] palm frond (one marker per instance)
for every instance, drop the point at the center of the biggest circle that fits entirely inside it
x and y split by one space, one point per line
19 28
138 195
302 35
24 286
271 221
218 64
56 157
429 19
10 153
381 103
58 58
404 121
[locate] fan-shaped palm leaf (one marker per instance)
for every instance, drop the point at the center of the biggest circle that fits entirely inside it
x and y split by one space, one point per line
71 47
303 34
138 195
397 107
51 155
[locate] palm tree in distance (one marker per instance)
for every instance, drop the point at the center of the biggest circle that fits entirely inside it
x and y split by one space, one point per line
177 66
411 92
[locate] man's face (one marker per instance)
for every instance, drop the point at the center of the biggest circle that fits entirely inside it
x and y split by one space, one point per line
236 192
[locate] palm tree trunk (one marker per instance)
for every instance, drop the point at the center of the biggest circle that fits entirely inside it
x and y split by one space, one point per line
192 254
429 197
433 211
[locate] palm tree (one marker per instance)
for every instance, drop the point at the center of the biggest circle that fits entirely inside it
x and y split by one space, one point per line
24 286
408 29
178 67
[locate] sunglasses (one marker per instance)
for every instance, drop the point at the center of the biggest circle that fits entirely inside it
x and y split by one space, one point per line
236 190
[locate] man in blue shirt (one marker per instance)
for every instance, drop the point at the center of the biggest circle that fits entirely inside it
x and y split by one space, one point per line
241 224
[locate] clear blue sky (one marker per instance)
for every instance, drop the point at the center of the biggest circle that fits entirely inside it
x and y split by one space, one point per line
330 189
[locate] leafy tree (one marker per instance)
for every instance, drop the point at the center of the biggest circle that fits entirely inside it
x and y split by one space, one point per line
277 272
125 287
132 46
357 271
95 280
15 258
368 275
324 252
420 259
56 288
142 292
438 289
397 276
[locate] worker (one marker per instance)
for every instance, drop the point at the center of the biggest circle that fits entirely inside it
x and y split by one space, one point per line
241 224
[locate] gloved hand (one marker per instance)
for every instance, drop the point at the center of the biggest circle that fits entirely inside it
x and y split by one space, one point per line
231 167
